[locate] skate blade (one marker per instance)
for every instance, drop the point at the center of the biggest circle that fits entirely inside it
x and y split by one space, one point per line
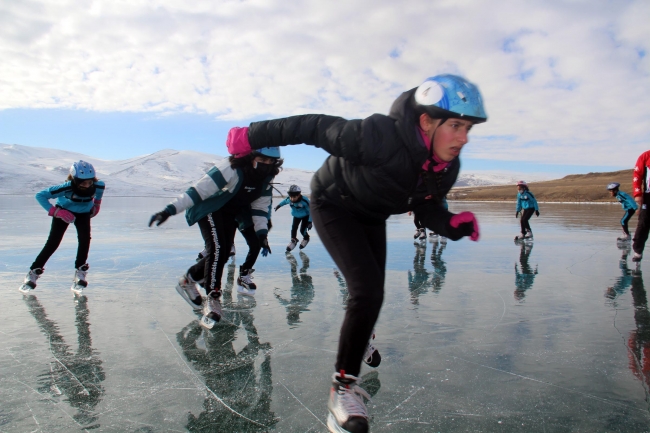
25 289
333 426
244 291
206 322
184 295
77 290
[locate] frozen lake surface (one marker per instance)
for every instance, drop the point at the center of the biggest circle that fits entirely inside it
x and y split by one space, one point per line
474 337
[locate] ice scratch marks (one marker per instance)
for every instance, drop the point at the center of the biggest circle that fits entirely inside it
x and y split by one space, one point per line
584 394
34 417
502 314
405 400
86 392
301 403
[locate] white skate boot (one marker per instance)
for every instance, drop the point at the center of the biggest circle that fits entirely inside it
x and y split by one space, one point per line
232 250
529 235
245 284
416 234
211 310
186 287
29 283
347 409
80 283
304 243
292 244
637 257
371 355
624 238
423 234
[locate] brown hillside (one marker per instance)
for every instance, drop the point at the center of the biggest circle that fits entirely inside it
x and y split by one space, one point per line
573 188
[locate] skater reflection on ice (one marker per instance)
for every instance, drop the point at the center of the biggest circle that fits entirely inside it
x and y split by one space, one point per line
302 290
77 376
524 280
439 265
240 378
625 280
419 279
343 288
638 342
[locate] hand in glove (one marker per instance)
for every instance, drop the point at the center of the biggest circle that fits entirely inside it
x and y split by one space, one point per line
95 210
237 142
310 225
61 213
537 212
517 214
159 218
276 208
463 224
266 249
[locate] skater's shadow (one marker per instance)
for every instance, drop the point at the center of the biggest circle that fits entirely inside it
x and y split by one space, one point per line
419 279
77 376
302 290
625 280
439 265
343 288
525 277
237 373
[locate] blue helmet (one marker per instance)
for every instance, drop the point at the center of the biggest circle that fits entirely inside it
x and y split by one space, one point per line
613 186
271 152
445 96
82 170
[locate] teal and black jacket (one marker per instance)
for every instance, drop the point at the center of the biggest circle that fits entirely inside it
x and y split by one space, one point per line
215 189
626 201
526 200
300 209
67 199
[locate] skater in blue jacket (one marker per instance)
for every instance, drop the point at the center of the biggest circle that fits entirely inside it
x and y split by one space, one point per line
629 206
77 201
301 216
527 205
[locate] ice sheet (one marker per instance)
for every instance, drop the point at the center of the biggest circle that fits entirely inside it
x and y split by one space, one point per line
487 336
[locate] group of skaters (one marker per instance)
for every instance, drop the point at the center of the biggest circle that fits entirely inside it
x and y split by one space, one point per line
383 165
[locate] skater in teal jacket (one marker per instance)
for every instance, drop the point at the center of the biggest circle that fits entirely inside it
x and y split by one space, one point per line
629 206
301 216
527 205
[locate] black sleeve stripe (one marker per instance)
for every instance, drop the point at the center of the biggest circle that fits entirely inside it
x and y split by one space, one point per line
64 189
100 186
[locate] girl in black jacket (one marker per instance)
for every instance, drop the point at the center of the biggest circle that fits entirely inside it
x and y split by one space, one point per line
378 166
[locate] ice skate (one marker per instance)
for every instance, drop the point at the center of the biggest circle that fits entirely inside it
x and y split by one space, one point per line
443 240
186 287
416 235
304 243
624 238
423 234
433 237
347 409
245 284
292 244
29 283
232 250
211 310
372 356
637 257
80 283
519 238
529 235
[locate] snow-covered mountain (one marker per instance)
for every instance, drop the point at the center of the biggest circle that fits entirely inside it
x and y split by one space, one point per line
27 170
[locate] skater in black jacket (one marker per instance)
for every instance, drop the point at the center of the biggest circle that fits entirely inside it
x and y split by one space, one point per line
378 166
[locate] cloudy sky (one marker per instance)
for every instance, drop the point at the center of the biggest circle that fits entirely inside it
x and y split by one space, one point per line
566 83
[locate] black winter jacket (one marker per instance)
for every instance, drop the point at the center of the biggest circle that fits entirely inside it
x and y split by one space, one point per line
375 167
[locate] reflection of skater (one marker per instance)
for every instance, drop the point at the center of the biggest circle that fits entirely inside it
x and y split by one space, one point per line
639 339
77 376
240 397
527 205
625 280
420 231
439 266
239 188
524 280
301 216
629 206
379 166
77 201
641 194
302 289
419 282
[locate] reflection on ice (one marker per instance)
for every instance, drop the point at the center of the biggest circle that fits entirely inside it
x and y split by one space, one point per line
420 280
525 278
302 289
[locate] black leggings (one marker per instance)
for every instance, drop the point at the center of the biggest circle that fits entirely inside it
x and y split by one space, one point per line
82 223
358 247
254 247
217 229
302 222
643 227
626 219
525 216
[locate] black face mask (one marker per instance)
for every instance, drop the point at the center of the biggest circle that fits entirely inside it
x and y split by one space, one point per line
83 192
263 170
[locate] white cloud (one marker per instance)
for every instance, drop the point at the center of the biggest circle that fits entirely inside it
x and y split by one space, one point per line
566 81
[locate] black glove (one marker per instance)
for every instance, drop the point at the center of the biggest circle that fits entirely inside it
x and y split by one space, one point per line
537 212
517 215
310 225
159 218
266 249
276 208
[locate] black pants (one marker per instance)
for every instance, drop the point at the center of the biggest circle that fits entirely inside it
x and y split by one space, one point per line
82 223
643 226
525 216
417 222
358 248
217 229
254 247
626 219
302 222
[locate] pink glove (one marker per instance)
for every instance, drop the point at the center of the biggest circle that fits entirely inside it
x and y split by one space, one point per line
237 142
469 223
95 210
65 215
